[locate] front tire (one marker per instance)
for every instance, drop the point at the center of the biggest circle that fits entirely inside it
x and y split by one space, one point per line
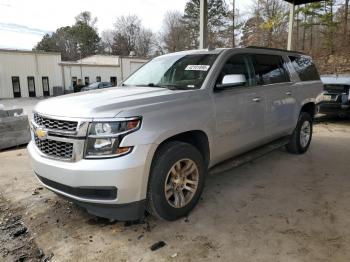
302 135
176 180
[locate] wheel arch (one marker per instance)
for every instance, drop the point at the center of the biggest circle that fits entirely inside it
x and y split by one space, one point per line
197 138
309 107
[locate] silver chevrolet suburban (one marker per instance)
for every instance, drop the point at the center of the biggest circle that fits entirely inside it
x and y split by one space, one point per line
148 144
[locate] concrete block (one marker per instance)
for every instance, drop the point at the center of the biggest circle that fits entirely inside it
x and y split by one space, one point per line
12 112
14 131
3 113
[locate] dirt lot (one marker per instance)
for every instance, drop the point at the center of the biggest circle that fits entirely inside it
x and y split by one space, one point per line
280 207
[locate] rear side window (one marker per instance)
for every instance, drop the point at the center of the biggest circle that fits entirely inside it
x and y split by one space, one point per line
305 68
269 69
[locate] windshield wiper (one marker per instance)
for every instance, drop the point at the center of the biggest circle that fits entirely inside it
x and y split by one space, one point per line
171 87
153 85
174 87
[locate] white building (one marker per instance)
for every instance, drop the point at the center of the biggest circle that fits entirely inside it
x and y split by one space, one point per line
99 68
28 73
35 73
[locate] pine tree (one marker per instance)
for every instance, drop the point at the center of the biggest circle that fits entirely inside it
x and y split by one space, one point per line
218 22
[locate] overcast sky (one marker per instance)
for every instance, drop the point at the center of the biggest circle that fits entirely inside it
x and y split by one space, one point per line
24 22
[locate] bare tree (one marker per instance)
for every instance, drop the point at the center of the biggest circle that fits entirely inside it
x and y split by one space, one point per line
130 35
267 26
145 42
173 34
107 41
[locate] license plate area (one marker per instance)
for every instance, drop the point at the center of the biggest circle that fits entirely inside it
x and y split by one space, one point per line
327 98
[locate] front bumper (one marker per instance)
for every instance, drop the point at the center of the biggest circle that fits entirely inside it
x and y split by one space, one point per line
334 108
128 175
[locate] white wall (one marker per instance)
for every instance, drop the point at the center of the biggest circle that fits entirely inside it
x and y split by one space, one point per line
105 72
130 65
122 71
39 64
24 64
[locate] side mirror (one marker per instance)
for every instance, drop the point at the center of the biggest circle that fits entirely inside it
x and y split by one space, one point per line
232 80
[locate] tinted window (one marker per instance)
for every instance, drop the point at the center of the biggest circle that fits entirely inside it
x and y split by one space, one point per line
305 68
237 64
269 69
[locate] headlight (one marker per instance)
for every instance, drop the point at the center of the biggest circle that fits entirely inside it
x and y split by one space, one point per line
104 138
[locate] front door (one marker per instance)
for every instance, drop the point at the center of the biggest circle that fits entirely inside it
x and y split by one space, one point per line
16 86
31 86
114 81
46 87
240 111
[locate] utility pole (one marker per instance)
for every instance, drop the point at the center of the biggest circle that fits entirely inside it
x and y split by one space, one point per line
346 14
203 24
233 23
290 28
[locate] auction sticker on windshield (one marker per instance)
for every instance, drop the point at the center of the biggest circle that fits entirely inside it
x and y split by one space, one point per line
197 67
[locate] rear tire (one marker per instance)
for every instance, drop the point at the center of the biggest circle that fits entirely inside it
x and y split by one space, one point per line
176 180
302 135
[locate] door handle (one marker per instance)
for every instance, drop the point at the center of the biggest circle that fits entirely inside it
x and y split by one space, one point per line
256 99
288 93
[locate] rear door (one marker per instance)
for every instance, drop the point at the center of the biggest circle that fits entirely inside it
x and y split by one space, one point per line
239 110
280 104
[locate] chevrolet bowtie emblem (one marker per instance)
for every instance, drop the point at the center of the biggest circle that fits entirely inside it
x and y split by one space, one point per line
41 134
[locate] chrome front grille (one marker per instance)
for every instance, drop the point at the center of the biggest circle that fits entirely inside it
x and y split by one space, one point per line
60 139
55 149
55 124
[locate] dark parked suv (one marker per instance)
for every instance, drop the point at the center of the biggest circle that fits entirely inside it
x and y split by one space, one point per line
336 96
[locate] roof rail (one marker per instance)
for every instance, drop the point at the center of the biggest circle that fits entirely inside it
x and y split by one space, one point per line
275 49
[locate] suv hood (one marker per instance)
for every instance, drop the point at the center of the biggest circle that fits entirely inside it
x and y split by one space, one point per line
107 102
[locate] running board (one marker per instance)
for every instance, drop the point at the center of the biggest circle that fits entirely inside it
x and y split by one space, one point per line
248 157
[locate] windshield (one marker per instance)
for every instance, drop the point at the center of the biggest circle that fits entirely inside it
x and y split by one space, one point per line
174 71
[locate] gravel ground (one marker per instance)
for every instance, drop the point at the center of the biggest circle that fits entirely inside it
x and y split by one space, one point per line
280 207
